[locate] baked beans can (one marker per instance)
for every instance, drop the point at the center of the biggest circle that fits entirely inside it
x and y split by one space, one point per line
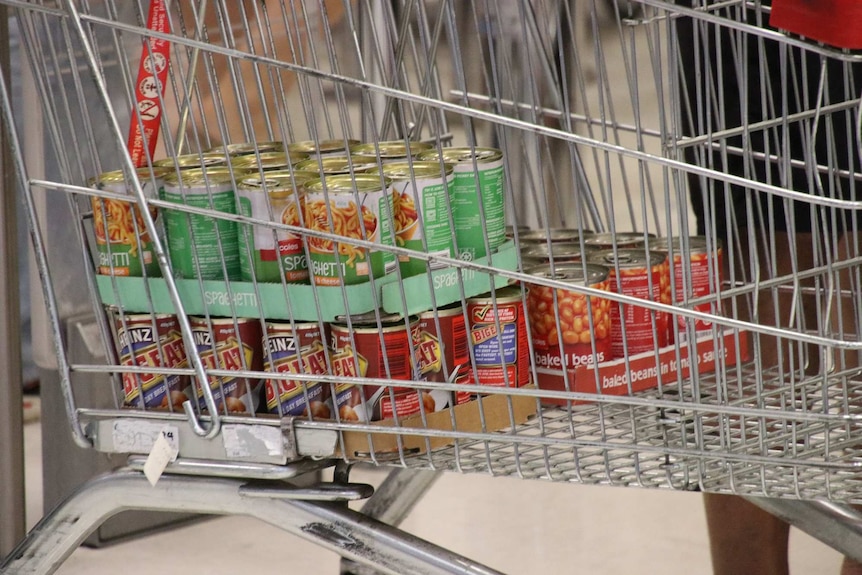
207 160
124 245
640 277
295 348
336 165
425 186
351 207
268 161
247 148
569 329
233 344
390 151
623 240
267 254
697 272
152 340
479 212
322 148
441 351
374 351
560 253
200 246
553 236
498 333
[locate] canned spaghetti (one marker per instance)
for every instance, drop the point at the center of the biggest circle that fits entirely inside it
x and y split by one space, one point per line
247 148
421 191
152 340
441 351
697 272
554 236
498 332
479 212
267 161
207 160
569 328
200 245
391 151
640 277
295 348
266 254
323 148
233 344
369 350
123 242
336 165
354 207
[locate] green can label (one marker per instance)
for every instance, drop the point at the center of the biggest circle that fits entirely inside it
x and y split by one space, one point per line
266 254
198 245
470 229
430 195
344 216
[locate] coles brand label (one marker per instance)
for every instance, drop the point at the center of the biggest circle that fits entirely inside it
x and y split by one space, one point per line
295 349
499 337
148 341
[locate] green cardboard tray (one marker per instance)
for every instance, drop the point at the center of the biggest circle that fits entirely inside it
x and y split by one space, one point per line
227 299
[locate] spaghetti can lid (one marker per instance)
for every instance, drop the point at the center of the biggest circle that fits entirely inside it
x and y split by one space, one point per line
202 177
336 165
389 150
462 155
275 160
554 235
401 171
274 187
627 259
575 274
341 184
290 176
243 148
119 176
205 160
322 146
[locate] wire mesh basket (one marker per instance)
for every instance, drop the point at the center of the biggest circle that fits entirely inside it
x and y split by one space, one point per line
598 242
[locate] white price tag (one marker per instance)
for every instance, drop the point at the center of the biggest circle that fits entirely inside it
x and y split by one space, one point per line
131 436
162 453
247 441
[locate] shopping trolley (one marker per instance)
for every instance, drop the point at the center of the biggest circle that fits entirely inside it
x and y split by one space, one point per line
266 302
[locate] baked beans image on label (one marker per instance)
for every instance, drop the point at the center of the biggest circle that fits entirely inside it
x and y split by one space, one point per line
498 332
152 341
234 344
365 350
696 274
575 329
297 348
441 351
640 277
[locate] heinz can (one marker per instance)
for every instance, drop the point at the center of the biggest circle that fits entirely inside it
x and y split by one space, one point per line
533 255
266 254
352 207
470 204
200 245
369 350
207 160
390 151
498 332
564 328
247 148
640 277
441 351
233 344
152 340
267 161
624 240
295 348
697 272
422 193
323 148
123 242
336 165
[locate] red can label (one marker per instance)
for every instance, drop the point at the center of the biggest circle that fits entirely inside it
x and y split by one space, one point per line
152 341
234 345
367 352
640 334
703 277
499 337
575 311
295 349
441 352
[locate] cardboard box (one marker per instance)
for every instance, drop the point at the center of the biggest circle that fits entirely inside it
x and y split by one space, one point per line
359 444
643 371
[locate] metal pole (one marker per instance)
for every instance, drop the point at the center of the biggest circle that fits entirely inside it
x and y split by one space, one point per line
12 508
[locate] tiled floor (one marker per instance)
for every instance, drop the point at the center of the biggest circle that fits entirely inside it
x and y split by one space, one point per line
518 527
